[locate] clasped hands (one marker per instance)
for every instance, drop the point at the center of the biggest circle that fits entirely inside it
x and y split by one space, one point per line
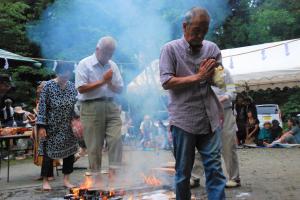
206 69
107 76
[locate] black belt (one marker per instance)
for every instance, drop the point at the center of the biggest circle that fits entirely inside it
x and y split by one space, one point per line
100 99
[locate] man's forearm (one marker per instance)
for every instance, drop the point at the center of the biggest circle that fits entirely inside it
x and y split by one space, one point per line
181 82
90 86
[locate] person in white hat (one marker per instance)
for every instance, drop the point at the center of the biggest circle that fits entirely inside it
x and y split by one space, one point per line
21 116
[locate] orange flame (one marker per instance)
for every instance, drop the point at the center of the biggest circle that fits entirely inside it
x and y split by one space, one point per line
88 182
112 192
75 192
130 197
151 180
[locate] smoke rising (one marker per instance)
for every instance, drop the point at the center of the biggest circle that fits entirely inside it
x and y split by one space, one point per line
70 30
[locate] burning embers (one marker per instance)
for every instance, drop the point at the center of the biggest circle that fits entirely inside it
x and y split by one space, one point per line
86 191
151 180
91 194
91 190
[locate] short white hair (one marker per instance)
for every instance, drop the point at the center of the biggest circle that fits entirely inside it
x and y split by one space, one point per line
106 41
188 17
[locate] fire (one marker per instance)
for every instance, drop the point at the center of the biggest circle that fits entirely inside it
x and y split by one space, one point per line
75 192
88 182
112 192
130 198
151 180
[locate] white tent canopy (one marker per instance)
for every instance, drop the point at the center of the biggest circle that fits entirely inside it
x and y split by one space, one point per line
263 66
267 79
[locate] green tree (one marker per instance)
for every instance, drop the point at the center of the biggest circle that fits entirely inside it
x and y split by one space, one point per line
26 79
292 105
267 24
234 31
259 21
14 15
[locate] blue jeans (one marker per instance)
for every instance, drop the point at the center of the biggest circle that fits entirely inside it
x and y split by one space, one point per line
209 146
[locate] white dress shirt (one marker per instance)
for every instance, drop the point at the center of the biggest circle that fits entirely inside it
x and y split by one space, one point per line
90 70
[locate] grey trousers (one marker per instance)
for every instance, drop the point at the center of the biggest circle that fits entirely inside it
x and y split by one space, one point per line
101 121
228 149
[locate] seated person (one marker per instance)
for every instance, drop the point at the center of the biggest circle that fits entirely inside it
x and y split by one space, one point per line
265 134
252 128
23 118
292 136
19 116
276 130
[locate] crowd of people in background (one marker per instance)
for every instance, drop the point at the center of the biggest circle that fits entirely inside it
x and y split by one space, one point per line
155 133
249 131
15 116
291 136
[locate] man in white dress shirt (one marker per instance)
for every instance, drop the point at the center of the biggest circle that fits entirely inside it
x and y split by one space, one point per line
98 80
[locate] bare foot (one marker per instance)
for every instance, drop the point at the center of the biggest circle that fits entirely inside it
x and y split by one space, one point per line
82 152
46 186
267 144
67 184
76 157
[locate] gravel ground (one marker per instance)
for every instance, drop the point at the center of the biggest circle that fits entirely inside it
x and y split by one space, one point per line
265 173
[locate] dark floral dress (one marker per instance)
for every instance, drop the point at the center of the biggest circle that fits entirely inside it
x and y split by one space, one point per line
55 113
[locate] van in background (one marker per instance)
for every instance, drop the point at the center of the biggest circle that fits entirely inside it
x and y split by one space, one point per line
268 112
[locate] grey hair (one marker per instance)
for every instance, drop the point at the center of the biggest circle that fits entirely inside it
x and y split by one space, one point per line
106 41
193 12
